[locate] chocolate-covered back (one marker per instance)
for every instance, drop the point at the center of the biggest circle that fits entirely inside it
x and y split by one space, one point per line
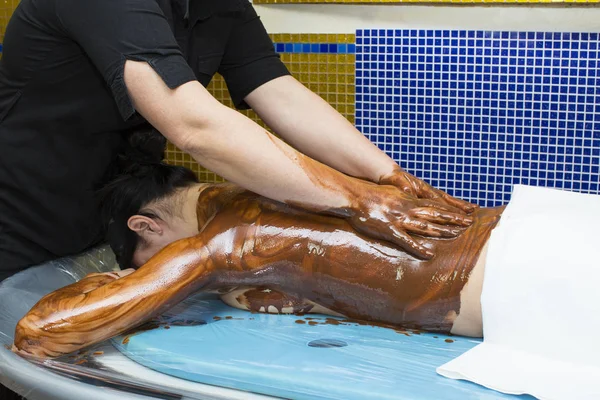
323 259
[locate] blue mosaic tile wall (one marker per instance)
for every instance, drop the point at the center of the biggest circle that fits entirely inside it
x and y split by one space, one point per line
475 112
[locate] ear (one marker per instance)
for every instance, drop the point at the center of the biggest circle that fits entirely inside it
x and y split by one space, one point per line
144 226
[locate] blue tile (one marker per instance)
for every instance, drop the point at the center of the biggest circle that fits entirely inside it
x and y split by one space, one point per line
280 47
525 99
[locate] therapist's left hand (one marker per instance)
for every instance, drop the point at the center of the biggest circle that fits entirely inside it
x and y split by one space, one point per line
422 190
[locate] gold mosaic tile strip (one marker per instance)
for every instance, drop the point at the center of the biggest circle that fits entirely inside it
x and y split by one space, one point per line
312 37
329 75
6 10
423 1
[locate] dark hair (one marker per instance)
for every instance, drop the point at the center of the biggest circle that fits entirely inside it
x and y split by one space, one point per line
145 178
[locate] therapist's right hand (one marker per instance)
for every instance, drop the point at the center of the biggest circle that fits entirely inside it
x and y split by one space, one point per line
386 213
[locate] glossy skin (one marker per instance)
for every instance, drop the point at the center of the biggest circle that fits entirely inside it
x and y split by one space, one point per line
422 190
249 241
381 211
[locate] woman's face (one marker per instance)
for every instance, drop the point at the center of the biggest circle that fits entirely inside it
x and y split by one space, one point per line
171 232
157 233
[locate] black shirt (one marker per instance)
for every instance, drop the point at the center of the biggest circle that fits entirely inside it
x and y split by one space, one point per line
64 105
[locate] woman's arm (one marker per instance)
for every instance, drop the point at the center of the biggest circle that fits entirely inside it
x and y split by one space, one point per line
101 306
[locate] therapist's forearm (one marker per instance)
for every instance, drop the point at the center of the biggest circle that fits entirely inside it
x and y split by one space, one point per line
235 147
244 153
310 124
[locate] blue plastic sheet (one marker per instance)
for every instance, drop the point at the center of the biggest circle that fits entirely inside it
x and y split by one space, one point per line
307 357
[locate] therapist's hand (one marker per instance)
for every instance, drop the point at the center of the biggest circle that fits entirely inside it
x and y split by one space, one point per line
386 213
420 189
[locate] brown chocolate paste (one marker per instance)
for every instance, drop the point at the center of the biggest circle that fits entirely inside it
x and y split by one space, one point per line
251 241
346 321
380 211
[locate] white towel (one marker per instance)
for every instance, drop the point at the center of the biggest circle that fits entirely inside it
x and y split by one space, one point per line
540 300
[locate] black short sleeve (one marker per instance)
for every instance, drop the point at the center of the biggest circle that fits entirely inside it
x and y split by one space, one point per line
113 31
250 59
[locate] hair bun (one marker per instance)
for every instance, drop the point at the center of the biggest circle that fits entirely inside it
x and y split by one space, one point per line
144 144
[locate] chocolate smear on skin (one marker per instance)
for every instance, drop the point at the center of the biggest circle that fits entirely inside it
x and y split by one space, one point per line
251 241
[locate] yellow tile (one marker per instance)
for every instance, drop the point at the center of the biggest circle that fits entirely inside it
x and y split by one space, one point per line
331 77
332 99
302 58
342 90
322 37
296 37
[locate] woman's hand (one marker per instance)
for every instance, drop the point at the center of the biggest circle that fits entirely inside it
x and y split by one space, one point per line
386 213
422 190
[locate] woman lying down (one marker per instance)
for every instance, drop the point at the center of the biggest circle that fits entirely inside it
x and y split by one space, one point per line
259 255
